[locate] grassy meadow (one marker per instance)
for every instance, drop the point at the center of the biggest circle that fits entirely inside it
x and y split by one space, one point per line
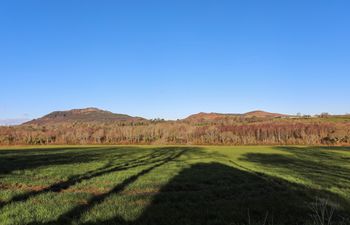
174 185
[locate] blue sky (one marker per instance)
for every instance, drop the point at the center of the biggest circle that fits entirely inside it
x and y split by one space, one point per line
170 59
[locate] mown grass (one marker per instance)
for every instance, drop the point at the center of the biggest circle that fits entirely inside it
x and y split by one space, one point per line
164 185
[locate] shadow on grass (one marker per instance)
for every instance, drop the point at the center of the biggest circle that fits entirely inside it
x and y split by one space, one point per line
337 148
153 157
214 193
13 160
217 194
318 165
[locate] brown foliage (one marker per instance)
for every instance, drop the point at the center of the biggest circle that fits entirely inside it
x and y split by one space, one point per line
226 131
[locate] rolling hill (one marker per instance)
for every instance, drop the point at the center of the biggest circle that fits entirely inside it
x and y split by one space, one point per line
96 126
102 116
83 115
264 114
205 117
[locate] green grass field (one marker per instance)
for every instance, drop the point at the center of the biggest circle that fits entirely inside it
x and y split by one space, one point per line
174 185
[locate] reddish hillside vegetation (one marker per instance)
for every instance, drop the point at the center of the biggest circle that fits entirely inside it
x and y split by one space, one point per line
202 117
259 113
83 115
95 126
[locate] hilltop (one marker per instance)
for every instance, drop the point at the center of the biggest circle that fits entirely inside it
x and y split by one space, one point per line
96 126
96 115
83 115
205 117
259 113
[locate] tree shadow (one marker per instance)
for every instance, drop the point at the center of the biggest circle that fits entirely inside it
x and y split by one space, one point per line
19 159
153 156
78 211
155 159
318 165
213 193
337 148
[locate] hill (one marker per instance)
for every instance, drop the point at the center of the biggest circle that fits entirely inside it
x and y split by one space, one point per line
95 126
102 116
202 117
259 113
83 115
206 117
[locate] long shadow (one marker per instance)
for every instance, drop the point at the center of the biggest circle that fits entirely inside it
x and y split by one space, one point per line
12 160
337 148
154 161
156 156
318 165
217 194
31 159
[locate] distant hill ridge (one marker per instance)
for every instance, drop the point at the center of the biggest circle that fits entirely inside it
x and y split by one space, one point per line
96 126
83 115
217 116
259 113
92 114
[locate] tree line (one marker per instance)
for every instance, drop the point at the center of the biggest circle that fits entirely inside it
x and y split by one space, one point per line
281 132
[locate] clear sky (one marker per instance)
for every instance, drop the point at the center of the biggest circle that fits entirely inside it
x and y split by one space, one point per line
170 59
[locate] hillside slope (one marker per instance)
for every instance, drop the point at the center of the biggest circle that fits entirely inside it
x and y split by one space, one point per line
83 115
259 113
212 117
